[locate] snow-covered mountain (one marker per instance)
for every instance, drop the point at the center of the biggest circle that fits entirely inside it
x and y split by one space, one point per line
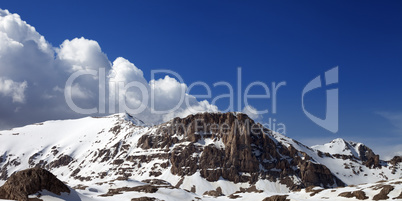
209 153
341 147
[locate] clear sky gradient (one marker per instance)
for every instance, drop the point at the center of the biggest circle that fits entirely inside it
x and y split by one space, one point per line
273 41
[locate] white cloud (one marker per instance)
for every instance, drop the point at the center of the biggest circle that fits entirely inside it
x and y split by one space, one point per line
77 91
122 74
202 106
7 44
82 54
168 92
17 31
27 59
251 112
13 89
166 95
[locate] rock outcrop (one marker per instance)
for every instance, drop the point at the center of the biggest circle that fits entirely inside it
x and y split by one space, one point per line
373 162
360 195
234 147
395 160
365 153
31 181
383 194
277 198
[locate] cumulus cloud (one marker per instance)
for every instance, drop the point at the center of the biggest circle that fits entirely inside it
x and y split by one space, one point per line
34 76
155 101
122 74
82 54
17 32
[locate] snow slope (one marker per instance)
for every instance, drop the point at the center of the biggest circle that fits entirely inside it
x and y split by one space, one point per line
93 151
94 155
350 170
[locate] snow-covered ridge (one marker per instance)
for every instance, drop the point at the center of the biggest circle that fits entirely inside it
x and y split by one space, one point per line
340 146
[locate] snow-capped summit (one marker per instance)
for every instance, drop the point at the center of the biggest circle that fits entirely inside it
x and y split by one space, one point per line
340 146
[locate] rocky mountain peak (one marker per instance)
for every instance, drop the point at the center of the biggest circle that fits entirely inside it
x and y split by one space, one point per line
341 148
233 147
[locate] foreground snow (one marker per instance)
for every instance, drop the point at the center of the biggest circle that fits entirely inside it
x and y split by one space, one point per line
93 193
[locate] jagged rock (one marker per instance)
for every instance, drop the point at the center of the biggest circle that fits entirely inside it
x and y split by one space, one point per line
383 194
214 193
373 162
276 198
251 189
219 190
313 174
312 190
346 194
361 195
80 187
62 161
395 160
30 181
365 153
234 196
144 189
246 146
156 182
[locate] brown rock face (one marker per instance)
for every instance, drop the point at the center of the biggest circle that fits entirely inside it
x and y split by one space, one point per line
383 194
30 181
373 162
239 150
313 174
365 153
346 194
361 195
276 198
143 189
214 193
395 160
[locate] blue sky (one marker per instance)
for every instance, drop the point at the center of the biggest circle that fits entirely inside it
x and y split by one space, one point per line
273 41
